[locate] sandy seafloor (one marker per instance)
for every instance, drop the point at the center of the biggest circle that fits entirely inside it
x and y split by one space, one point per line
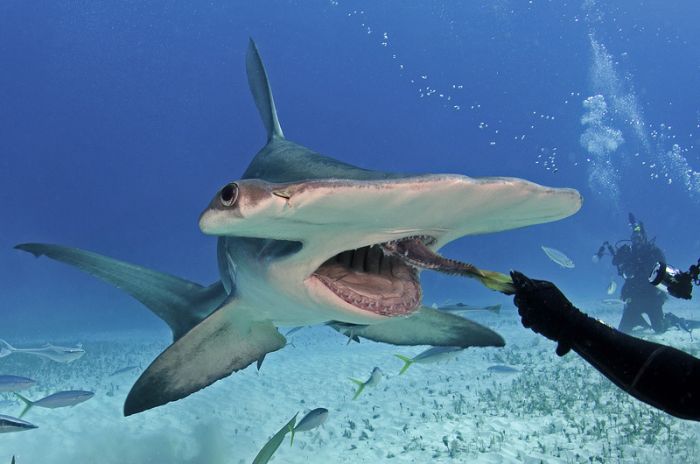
557 410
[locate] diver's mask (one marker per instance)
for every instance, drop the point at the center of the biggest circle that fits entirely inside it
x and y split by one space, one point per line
639 235
669 279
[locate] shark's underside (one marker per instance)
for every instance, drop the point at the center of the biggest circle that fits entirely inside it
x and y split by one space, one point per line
303 240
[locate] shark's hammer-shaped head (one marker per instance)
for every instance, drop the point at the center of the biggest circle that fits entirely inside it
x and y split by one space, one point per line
342 225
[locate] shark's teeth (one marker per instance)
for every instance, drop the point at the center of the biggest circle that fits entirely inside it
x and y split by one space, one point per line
403 298
391 244
375 278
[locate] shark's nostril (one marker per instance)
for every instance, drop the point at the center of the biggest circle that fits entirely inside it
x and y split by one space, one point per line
229 194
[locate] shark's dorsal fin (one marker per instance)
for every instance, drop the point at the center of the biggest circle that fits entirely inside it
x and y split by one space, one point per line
262 94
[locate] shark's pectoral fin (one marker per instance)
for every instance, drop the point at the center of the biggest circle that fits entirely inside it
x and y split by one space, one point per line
223 343
425 327
180 303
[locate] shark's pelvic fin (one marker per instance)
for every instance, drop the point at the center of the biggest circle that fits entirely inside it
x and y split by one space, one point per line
425 327
262 93
180 303
225 342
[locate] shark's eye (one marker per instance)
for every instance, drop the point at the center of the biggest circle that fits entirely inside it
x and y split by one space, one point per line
229 194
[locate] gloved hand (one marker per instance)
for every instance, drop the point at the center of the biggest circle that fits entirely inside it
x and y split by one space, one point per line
544 309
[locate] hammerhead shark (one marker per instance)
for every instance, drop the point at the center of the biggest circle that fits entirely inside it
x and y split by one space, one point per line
305 239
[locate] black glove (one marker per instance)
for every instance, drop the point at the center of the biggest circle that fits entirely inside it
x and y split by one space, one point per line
544 309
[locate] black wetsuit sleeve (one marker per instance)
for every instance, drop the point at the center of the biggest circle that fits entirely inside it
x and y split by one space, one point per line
664 377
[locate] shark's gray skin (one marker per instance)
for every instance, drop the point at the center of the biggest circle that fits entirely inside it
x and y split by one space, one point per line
62 354
301 240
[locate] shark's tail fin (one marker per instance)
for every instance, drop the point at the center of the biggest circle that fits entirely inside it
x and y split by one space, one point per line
360 386
407 363
180 303
27 404
262 93
5 348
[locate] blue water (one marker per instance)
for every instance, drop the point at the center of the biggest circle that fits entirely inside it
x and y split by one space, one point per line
120 120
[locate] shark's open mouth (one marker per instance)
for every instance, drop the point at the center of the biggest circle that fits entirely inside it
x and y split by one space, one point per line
374 279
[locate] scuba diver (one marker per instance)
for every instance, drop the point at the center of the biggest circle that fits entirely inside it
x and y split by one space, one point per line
633 260
659 375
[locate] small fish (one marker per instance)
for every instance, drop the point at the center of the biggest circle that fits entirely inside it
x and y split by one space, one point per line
271 446
502 369
614 302
57 400
373 380
346 329
431 355
310 421
56 353
294 330
12 383
123 370
558 257
612 287
465 307
681 323
12 424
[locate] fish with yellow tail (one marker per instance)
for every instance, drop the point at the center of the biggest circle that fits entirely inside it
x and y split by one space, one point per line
431 355
373 380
